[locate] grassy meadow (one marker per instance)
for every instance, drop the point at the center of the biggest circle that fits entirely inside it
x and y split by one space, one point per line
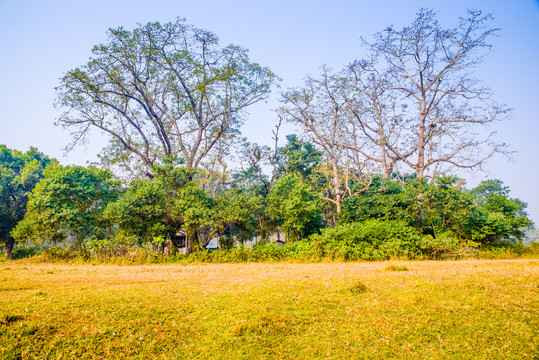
474 309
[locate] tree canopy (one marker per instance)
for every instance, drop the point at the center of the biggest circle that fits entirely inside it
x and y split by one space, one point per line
19 173
161 90
69 200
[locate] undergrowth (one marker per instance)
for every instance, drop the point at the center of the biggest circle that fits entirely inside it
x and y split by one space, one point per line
301 251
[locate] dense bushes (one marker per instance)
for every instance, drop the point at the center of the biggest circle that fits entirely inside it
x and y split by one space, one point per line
21 253
373 239
442 209
146 220
300 251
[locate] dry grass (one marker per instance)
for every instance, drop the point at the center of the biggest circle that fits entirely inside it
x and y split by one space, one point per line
435 310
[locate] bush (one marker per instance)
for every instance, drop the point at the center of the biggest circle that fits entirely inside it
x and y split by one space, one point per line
358 288
508 251
396 268
21 253
57 253
440 247
371 240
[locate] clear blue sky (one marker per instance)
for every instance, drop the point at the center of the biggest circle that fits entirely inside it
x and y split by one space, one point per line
41 40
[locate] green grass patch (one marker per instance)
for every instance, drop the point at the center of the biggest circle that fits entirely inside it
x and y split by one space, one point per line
396 268
358 288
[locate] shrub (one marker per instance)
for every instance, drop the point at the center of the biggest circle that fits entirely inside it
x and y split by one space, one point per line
371 240
21 253
358 288
440 247
396 268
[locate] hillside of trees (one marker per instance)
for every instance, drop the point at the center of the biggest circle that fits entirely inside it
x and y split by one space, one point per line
369 174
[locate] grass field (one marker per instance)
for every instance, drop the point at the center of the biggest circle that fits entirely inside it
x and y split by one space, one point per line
386 310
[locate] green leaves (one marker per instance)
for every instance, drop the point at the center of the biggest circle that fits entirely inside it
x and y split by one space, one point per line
498 217
443 208
294 207
19 173
160 90
68 200
139 212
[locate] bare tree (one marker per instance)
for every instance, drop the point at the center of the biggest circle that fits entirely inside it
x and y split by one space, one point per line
429 69
161 91
320 111
376 118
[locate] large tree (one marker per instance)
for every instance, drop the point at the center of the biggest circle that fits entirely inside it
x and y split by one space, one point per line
69 200
430 70
319 109
19 173
376 122
161 90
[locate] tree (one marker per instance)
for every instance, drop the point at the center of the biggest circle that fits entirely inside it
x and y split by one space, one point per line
295 209
160 91
444 205
376 120
186 205
381 198
236 214
430 70
498 216
299 158
68 200
139 212
19 173
320 110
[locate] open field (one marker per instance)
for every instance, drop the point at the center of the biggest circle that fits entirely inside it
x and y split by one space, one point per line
384 310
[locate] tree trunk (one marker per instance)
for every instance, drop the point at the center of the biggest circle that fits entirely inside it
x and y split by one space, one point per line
338 202
336 185
420 166
8 248
188 245
78 239
385 167
170 246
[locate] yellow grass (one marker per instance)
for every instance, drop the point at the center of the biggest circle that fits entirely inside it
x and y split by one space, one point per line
435 310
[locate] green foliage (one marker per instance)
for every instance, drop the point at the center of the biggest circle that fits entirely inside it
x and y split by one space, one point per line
382 199
371 240
491 186
56 253
384 219
497 217
236 214
445 245
19 173
299 158
139 213
442 206
193 208
295 209
443 211
25 252
154 210
68 200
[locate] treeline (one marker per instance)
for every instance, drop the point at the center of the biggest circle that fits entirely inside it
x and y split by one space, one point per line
380 218
368 175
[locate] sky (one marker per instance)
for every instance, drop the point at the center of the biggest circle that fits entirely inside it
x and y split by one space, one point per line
42 40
